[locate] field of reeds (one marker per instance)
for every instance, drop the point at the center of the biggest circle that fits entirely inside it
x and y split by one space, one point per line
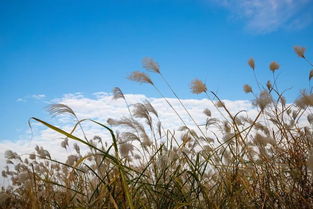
259 161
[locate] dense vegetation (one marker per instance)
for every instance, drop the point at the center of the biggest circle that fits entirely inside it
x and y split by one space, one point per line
259 161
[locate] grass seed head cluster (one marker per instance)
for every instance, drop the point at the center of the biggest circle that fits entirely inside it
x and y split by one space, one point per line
259 161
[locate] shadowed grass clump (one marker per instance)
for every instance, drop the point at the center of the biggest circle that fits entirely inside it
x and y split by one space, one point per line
264 160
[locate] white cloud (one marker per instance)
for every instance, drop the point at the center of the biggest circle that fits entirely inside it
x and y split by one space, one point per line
265 16
38 96
20 100
32 97
101 107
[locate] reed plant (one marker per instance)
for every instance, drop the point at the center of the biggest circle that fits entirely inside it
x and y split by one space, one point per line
253 161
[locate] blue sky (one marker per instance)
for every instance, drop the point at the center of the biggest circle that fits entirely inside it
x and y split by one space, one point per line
52 48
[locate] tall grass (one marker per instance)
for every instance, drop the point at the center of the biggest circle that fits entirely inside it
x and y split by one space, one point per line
260 161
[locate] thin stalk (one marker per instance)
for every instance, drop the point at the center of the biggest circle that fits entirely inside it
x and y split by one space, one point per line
169 86
169 105
308 61
256 80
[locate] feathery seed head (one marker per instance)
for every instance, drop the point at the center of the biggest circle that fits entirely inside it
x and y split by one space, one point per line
46 154
117 93
299 51
269 85
71 159
263 140
32 156
210 122
185 138
42 152
24 176
97 138
283 100
140 77
259 126
159 128
229 137
263 100
150 108
207 112
226 127
183 128
58 109
220 104
274 66
4 175
128 136
198 87
295 114
311 74
112 122
125 148
251 63
310 118
77 148
9 154
131 123
146 142
64 143
9 162
151 65
137 157
306 100
247 88
140 111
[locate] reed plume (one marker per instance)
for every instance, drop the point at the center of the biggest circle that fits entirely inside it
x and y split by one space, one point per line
140 77
198 87
274 66
251 63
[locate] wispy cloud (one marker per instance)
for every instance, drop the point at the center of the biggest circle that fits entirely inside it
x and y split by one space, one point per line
38 96
21 100
32 97
100 107
264 16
